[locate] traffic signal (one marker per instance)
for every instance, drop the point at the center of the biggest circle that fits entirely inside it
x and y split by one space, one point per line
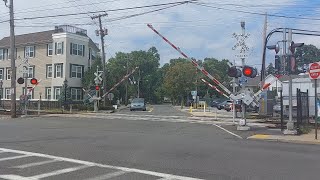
275 47
277 63
234 72
249 71
34 81
20 80
97 88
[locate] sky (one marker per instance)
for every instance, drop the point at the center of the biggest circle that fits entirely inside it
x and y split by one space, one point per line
200 30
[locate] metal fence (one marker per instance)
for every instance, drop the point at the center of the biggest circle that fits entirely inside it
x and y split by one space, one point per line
301 106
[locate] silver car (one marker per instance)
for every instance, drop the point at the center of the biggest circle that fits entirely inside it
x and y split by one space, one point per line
138 104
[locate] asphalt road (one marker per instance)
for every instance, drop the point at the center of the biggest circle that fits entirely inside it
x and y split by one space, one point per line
120 146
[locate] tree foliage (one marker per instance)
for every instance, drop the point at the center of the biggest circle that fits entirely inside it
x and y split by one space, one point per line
307 54
270 69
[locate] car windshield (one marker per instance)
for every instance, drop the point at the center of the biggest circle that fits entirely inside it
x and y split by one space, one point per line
138 100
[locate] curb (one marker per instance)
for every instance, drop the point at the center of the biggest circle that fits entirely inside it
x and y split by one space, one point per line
266 137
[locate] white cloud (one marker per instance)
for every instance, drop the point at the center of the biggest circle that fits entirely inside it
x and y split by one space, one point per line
199 31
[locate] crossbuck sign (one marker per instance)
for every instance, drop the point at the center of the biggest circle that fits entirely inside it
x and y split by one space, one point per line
98 77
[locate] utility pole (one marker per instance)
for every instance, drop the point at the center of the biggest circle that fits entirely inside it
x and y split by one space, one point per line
127 66
13 65
139 84
102 32
264 34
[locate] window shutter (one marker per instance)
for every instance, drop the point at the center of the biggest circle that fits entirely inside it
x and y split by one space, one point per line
70 70
34 71
61 70
70 48
34 51
82 73
83 51
54 69
24 54
55 48
47 49
62 48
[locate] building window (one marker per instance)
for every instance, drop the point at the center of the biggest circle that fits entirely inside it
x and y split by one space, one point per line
30 72
57 92
59 48
50 49
76 94
1 54
8 93
76 71
48 93
58 71
30 95
76 49
29 51
1 73
49 71
8 74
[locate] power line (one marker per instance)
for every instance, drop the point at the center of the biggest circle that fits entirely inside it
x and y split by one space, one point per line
111 10
256 13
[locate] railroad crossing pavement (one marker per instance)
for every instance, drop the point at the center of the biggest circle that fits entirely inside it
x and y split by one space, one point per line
23 165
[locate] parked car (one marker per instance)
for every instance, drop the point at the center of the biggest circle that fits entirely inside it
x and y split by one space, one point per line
138 104
222 105
214 103
228 106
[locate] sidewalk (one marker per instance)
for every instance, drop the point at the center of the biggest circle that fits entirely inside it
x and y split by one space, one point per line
304 138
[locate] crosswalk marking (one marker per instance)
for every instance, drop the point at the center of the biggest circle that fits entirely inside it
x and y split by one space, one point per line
108 176
58 172
82 165
14 157
35 164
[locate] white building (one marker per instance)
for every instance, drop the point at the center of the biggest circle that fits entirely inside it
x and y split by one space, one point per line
54 56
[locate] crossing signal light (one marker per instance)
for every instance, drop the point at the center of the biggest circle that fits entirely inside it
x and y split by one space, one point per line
249 71
20 80
97 88
277 63
34 81
293 46
234 72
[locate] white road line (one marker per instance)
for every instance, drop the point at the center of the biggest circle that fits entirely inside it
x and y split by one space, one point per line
152 173
14 157
108 176
35 164
13 177
58 172
236 135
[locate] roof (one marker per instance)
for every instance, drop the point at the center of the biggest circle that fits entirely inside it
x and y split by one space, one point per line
256 81
31 38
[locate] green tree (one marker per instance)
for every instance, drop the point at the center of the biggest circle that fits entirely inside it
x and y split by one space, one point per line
307 54
179 80
270 69
65 95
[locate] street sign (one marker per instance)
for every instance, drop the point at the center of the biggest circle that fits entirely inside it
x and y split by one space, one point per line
110 96
243 80
314 70
194 93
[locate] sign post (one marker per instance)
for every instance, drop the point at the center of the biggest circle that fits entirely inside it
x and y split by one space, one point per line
314 73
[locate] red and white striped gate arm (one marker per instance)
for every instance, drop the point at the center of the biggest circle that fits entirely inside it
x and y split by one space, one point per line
31 89
192 61
117 84
215 88
266 85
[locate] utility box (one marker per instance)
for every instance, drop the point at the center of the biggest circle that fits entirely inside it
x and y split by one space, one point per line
267 101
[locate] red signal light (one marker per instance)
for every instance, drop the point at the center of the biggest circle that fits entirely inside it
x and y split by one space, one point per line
97 88
249 71
34 81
